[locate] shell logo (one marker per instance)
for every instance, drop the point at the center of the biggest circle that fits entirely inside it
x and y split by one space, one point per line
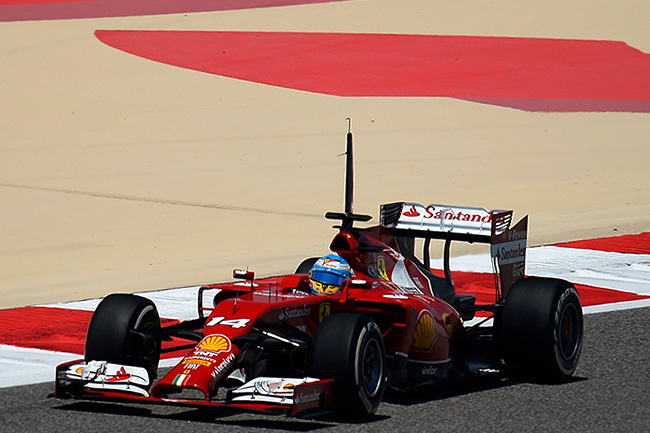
425 331
215 343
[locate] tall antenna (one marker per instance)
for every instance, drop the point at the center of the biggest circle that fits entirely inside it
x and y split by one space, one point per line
348 217
349 171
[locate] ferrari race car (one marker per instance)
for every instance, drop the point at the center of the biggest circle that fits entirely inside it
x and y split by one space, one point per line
271 345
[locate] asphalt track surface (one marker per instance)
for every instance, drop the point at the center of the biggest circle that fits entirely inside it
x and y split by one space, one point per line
609 393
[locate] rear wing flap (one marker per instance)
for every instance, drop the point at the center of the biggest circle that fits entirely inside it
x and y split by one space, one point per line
435 221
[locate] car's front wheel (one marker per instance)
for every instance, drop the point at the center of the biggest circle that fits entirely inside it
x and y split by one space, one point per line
305 266
123 330
349 349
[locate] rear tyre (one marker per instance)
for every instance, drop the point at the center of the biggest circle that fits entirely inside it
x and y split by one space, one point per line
123 330
349 349
542 329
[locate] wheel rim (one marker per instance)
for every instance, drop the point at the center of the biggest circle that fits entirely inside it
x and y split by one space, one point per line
569 331
148 323
372 368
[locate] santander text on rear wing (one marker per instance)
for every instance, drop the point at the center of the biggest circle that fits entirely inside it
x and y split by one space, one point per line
443 222
469 224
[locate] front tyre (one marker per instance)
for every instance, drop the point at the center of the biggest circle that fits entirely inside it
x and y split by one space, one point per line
542 328
305 266
123 330
349 349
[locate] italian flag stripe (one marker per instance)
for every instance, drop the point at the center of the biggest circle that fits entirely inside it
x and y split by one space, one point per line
180 380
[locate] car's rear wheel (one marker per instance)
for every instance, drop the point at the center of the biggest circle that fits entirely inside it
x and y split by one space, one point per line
123 330
349 349
542 328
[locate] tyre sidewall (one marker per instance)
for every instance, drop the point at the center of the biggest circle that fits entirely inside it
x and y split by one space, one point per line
369 340
568 304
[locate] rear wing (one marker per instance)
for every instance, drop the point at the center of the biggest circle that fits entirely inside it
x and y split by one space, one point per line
469 224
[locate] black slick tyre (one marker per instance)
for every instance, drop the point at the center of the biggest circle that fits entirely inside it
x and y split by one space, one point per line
305 266
542 329
349 349
123 330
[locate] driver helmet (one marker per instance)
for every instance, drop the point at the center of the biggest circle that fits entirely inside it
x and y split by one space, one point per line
328 275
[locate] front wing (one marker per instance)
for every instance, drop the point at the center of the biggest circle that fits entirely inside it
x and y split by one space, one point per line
101 380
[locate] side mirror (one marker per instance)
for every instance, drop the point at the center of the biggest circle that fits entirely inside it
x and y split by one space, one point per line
243 274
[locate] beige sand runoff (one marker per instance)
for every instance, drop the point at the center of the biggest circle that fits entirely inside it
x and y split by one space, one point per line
119 174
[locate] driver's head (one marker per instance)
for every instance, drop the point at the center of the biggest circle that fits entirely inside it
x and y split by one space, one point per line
328 275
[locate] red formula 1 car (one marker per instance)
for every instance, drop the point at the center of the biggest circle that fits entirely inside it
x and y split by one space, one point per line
271 345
